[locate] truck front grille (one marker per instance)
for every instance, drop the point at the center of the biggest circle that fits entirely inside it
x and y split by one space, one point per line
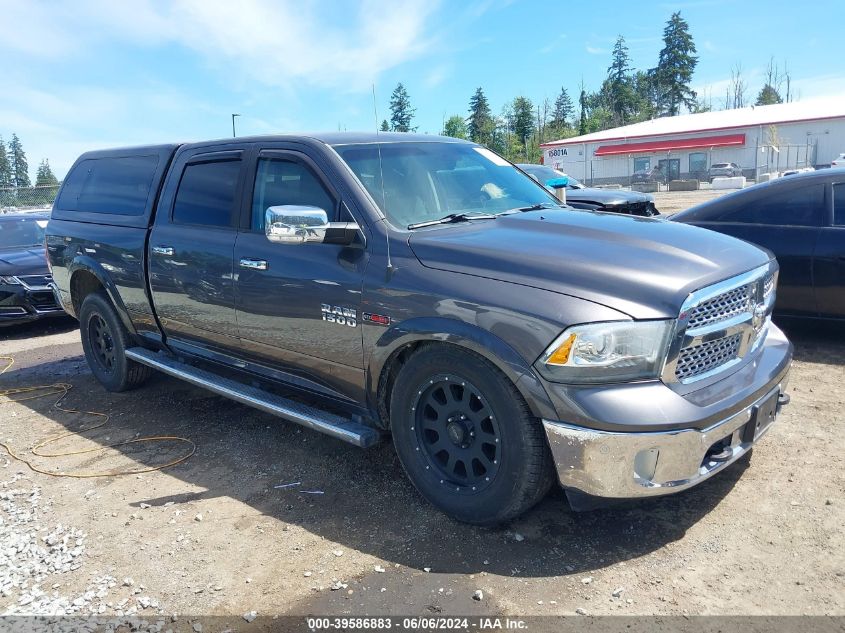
700 359
720 308
720 325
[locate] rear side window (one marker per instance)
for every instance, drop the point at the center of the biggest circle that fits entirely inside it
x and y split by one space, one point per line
798 207
119 185
839 205
206 194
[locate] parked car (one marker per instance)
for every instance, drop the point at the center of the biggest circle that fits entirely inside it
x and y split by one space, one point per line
801 219
593 199
839 161
425 287
25 294
719 170
653 174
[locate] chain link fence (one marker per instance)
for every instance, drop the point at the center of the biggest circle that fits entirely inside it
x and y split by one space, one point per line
15 198
625 170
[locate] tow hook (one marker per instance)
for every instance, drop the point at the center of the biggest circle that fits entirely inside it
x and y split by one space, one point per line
783 400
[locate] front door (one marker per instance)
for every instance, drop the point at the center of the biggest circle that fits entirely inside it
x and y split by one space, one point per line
671 168
829 260
191 249
299 306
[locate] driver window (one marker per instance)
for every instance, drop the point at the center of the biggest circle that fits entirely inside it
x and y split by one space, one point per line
287 182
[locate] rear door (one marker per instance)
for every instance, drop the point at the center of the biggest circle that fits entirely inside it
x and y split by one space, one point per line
829 260
787 221
299 306
191 248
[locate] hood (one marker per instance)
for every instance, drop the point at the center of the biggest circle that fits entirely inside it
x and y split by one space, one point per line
23 261
640 266
605 197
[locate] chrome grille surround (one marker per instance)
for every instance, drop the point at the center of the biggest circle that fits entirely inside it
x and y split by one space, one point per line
720 326
35 282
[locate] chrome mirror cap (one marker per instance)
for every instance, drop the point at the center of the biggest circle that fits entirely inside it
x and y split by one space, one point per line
295 224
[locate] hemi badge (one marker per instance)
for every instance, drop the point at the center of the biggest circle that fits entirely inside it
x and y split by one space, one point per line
378 319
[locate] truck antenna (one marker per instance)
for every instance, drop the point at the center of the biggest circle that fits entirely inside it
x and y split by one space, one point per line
390 268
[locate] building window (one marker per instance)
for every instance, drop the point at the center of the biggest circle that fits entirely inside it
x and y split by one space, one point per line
642 164
697 162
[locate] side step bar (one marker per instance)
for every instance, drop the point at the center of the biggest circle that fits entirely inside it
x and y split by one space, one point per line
307 416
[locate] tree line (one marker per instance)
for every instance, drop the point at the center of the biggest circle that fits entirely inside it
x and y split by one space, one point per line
14 167
625 96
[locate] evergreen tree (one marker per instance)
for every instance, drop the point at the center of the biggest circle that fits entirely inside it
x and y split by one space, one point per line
523 119
17 163
45 176
480 125
401 112
5 168
675 67
385 127
563 110
582 102
455 127
618 90
768 96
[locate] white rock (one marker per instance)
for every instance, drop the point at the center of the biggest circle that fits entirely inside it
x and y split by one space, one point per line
197 627
478 595
587 580
337 552
379 569
249 616
617 592
581 611
198 518
518 537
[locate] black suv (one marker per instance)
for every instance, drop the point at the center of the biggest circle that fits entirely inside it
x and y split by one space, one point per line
25 293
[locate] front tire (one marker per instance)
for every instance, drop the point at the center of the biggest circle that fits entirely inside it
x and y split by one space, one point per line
104 341
466 438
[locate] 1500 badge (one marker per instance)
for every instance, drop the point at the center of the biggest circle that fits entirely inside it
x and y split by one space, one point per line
339 315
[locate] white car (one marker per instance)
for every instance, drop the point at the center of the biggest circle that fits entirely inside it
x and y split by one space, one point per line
839 161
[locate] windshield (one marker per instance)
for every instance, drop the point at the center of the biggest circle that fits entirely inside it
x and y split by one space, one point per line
544 174
22 232
428 181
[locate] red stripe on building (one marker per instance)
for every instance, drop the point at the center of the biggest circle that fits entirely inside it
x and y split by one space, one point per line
724 140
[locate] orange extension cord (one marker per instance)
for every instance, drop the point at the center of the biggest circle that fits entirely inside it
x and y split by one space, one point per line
61 389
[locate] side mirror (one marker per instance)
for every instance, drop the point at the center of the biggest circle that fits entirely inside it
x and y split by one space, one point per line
301 224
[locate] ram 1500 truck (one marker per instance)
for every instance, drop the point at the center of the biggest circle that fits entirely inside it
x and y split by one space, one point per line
426 288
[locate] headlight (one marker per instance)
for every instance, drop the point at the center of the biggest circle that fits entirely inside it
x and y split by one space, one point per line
615 351
8 279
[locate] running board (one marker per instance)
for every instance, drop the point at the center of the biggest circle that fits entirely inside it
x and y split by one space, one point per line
307 416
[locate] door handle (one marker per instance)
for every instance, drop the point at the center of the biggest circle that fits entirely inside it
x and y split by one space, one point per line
254 264
162 250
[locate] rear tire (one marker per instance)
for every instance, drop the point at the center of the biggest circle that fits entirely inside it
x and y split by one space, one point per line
105 340
466 438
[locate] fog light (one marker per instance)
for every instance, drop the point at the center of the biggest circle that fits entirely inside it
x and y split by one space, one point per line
645 464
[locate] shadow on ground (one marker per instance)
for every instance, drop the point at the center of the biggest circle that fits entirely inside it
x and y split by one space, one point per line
368 504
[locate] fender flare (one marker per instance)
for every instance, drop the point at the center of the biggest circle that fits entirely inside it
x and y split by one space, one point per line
460 334
93 267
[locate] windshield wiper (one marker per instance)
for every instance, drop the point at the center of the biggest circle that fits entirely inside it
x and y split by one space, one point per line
532 207
453 217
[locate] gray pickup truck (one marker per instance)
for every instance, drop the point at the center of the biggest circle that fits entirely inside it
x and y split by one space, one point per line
371 284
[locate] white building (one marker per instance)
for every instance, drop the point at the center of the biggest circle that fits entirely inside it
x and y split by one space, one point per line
759 139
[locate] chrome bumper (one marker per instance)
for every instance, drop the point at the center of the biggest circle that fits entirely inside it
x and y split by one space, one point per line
626 465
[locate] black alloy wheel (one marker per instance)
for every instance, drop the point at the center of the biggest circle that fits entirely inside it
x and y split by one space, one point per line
457 433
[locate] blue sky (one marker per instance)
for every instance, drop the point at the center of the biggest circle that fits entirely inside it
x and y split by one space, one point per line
96 73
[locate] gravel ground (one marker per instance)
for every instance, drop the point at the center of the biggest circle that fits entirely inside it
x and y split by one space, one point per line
224 534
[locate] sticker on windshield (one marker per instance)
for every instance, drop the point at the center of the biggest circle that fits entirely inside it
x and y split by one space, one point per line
492 156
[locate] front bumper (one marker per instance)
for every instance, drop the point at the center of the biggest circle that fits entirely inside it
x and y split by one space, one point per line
622 464
23 303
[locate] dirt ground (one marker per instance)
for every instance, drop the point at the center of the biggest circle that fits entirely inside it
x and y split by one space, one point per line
217 535
670 202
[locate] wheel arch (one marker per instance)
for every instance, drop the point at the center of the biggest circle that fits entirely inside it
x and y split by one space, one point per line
86 276
396 344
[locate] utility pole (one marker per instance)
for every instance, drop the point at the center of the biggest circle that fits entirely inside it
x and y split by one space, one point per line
233 125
